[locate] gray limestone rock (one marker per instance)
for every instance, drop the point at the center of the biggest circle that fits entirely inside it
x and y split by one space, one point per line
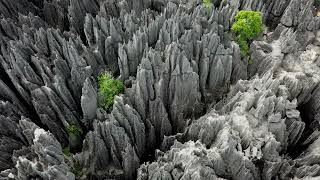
89 102
122 136
192 160
49 159
213 113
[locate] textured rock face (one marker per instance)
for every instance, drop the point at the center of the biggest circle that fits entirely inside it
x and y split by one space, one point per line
43 158
213 113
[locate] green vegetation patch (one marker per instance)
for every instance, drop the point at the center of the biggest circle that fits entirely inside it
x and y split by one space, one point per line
207 3
74 129
108 89
247 25
77 170
66 151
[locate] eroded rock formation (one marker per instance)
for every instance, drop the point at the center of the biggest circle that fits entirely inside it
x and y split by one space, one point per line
193 108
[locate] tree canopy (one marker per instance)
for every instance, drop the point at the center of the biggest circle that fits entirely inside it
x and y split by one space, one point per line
247 25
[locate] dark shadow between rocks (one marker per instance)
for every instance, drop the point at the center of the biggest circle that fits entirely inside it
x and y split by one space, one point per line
310 127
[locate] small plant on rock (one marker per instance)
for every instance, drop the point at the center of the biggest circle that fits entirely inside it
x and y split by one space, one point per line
74 129
207 3
247 25
108 89
66 151
77 170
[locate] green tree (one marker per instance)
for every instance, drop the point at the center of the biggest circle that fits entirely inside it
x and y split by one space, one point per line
108 89
247 25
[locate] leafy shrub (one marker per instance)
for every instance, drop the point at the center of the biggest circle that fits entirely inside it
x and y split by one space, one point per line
207 3
108 89
74 129
248 25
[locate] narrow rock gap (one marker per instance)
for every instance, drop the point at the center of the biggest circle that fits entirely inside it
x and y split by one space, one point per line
300 147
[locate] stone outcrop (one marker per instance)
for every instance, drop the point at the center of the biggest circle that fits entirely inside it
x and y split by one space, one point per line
213 113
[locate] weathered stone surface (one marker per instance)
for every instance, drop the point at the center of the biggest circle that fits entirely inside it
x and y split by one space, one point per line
194 161
213 113
10 9
123 158
46 161
89 102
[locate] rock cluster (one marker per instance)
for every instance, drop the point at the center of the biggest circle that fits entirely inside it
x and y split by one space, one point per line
193 108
